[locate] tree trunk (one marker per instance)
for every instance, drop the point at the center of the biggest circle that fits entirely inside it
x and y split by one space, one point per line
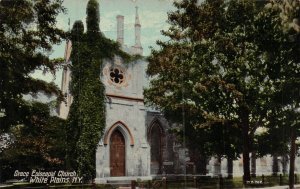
285 160
275 168
292 159
230 168
199 160
246 139
253 164
220 163
246 164
201 166
217 166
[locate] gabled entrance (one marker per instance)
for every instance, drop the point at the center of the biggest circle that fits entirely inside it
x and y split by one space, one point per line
117 154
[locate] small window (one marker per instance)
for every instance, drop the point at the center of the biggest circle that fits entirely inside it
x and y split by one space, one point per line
116 75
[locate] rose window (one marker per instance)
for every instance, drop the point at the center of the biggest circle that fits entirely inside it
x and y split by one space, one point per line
116 75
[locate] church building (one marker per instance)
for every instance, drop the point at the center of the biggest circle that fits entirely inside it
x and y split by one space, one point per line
136 142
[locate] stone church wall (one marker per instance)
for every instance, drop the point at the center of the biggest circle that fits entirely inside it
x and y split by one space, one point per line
120 116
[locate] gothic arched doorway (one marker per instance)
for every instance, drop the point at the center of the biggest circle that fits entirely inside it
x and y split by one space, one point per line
155 140
117 154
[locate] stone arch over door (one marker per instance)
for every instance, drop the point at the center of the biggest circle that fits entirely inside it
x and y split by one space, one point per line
118 137
156 139
123 128
117 154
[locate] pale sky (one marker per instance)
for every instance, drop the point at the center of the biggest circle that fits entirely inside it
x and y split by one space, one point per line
152 14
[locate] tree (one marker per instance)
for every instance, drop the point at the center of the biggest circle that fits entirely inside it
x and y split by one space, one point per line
86 120
218 49
284 54
274 141
184 67
27 32
38 143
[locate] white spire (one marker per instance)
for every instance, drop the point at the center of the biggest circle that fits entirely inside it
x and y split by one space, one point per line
137 20
137 47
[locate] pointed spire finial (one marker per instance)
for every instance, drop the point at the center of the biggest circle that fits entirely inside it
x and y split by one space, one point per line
137 47
137 20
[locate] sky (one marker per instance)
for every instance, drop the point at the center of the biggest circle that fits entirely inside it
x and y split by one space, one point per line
152 14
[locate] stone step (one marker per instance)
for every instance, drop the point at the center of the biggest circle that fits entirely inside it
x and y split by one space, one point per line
118 182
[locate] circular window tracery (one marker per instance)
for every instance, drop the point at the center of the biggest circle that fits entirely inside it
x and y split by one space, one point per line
117 75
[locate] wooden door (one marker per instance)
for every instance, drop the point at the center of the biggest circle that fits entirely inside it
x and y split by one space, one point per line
117 154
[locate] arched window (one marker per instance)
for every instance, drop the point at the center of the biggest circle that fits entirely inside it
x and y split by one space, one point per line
155 138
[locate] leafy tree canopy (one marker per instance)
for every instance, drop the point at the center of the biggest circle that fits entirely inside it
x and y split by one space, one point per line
223 64
27 32
38 143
